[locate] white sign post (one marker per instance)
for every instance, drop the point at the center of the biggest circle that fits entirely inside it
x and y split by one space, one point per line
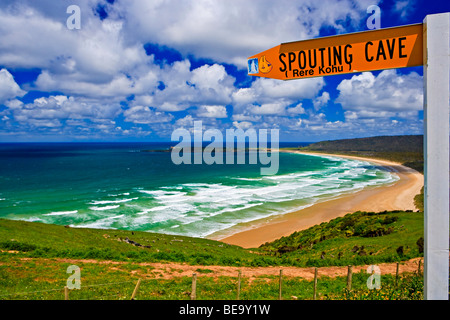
436 152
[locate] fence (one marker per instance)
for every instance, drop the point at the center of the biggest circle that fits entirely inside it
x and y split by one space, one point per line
136 285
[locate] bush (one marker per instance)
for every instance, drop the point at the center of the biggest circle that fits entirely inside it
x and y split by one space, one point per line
18 246
420 244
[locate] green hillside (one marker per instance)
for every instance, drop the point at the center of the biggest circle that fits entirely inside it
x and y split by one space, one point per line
35 239
407 149
357 238
406 143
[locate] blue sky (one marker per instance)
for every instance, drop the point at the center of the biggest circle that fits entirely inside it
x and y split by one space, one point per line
137 70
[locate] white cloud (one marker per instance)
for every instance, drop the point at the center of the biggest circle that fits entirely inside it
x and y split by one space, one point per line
246 117
96 60
272 97
388 94
212 111
298 109
321 101
51 111
276 89
206 85
244 125
187 121
146 115
230 31
276 108
33 38
404 8
9 89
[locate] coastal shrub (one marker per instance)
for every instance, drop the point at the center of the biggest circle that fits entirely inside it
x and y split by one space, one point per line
376 231
284 249
18 246
102 254
420 244
162 255
203 259
229 261
43 252
261 262
133 255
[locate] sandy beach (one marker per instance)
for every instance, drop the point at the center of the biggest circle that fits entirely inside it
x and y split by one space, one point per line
397 196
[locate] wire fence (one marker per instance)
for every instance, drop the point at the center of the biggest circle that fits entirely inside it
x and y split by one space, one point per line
271 287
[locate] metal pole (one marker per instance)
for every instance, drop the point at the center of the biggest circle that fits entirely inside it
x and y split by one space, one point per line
436 153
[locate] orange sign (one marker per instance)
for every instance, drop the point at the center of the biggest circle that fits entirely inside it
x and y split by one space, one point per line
389 48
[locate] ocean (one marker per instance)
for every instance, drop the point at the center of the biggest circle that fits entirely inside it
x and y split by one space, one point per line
135 186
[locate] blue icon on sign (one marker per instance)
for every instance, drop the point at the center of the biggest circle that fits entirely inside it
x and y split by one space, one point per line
253 66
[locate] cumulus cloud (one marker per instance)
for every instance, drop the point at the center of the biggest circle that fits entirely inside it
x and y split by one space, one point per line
96 52
228 31
96 60
183 88
269 108
212 112
146 115
244 125
268 89
298 109
55 110
386 95
273 97
9 89
321 101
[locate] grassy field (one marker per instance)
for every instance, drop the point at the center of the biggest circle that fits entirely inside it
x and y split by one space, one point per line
44 279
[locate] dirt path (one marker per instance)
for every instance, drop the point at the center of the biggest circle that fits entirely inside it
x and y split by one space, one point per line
172 270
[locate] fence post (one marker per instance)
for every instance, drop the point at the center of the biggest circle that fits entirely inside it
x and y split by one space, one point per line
239 285
349 278
136 289
66 293
315 284
194 287
397 274
281 275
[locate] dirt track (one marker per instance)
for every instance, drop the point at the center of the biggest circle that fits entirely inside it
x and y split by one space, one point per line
172 270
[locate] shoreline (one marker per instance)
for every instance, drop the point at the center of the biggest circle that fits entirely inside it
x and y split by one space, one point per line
397 196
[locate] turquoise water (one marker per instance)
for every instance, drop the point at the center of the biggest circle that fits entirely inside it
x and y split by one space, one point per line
126 186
